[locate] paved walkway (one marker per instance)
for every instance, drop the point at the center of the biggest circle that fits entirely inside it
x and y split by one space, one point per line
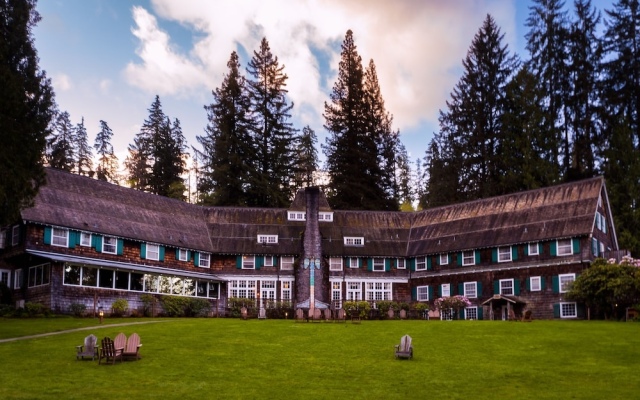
87 328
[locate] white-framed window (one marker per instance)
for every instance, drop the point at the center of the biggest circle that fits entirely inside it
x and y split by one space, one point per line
533 249
422 293
336 294
204 260
17 278
353 241
506 287
401 263
325 216
335 264
565 281
598 226
535 283
85 239
15 235
421 263
601 248
109 245
268 239
444 259
286 263
470 290
4 276
378 264
60 237
248 262
568 310
268 261
39 275
564 247
297 216
445 290
183 255
378 291
504 254
354 262
242 288
471 313
354 291
285 291
3 238
267 291
152 252
468 257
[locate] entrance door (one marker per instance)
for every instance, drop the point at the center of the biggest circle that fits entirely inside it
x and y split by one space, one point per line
505 313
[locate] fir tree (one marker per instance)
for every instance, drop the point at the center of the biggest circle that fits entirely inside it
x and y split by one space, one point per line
26 109
107 169
307 157
227 145
273 134
61 143
84 155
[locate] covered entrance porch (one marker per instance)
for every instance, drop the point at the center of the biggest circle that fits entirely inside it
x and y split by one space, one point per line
505 308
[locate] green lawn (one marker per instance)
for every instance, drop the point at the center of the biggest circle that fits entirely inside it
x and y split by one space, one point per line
276 359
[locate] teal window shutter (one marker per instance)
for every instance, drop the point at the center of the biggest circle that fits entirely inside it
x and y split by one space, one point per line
120 247
430 292
480 316
196 258
540 248
553 247
414 293
239 262
429 266
576 246
143 250
496 287
514 253
259 262
556 310
74 239
542 283
412 264
449 257
462 313
494 255
360 262
479 289
387 264
555 281
460 289
526 249
460 259
369 264
477 257
516 287
161 251
97 242
47 235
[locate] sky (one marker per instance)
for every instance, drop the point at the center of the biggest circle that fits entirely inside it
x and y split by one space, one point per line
108 59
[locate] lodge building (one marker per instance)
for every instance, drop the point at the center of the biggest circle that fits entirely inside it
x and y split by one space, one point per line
85 240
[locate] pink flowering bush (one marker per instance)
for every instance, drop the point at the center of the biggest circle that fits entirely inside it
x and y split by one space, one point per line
455 303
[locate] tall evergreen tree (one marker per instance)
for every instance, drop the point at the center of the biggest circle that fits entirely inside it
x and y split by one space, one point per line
469 146
107 169
546 43
583 101
404 179
307 158
84 155
227 145
169 162
61 144
621 118
26 109
351 149
273 134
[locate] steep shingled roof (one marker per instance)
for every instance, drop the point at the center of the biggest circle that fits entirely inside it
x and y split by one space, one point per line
85 204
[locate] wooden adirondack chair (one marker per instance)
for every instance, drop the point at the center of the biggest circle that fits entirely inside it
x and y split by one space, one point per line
120 341
88 349
340 316
317 315
404 349
109 352
299 315
327 315
132 347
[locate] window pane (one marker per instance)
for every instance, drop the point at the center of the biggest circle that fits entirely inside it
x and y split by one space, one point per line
89 276
137 282
122 280
106 278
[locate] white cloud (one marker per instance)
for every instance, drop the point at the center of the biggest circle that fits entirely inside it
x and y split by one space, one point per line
61 82
417 47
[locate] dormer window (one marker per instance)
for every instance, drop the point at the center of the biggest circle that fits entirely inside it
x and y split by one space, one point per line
297 216
60 237
353 241
325 216
268 239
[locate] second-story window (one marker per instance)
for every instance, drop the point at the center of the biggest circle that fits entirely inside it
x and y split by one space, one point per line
353 241
60 237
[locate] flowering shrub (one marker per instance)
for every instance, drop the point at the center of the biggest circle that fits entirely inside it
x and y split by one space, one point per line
455 303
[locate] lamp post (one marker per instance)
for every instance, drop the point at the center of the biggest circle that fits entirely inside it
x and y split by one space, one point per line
100 314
